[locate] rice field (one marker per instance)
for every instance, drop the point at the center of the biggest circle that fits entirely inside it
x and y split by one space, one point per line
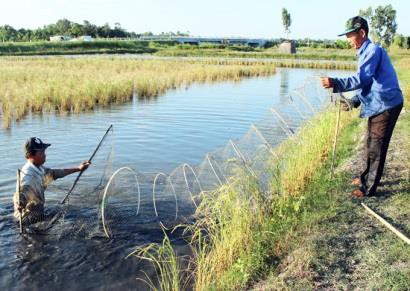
56 84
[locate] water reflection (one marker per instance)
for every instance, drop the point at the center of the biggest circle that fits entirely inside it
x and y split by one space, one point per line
146 99
284 86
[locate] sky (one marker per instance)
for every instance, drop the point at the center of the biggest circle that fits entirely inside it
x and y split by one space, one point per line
316 19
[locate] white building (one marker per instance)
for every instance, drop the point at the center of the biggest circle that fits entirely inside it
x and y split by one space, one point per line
59 38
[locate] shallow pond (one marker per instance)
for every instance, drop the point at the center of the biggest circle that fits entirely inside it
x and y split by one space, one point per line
150 135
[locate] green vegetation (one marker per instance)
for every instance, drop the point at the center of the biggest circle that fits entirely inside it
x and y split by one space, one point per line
401 41
67 28
166 265
237 231
75 47
403 72
248 52
317 51
286 20
78 84
242 227
336 244
74 85
311 234
382 23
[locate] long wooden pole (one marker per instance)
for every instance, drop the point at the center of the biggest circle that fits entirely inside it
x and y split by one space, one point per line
89 160
388 225
18 202
332 169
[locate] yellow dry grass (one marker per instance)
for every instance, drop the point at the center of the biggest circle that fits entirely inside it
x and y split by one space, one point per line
58 84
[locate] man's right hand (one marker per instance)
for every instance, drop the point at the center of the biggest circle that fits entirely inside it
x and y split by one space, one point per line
346 104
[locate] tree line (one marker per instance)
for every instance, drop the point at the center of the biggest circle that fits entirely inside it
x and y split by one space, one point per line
69 28
382 23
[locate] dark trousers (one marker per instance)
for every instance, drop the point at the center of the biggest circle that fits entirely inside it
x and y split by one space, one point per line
379 132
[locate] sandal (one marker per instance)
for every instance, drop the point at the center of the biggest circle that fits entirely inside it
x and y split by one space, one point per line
358 193
356 181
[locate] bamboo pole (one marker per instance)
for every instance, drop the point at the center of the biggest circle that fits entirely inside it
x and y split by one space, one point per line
89 161
388 225
18 197
332 167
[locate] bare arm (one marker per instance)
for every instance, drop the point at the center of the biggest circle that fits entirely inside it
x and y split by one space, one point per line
53 174
82 167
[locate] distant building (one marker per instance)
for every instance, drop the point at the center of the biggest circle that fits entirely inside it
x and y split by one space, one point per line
287 47
85 38
59 38
82 38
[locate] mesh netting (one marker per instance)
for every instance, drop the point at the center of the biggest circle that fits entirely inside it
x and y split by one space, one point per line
113 204
132 199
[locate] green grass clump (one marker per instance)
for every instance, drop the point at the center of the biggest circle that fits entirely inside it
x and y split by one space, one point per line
166 265
239 230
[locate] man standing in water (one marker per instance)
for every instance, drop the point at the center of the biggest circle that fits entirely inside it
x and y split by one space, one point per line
34 178
379 96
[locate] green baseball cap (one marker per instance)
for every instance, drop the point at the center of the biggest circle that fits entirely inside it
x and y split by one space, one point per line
355 24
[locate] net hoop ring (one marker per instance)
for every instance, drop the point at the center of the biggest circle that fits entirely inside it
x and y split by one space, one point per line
104 198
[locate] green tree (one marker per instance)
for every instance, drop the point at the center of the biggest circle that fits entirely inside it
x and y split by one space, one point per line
63 26
89 29
49 30
382 22
367 13
104 31
342 44
23 34
39 34
286 20
401 41
76 29
3 34
118 31
8 33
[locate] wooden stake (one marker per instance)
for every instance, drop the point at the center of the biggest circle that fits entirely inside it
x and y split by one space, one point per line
388 225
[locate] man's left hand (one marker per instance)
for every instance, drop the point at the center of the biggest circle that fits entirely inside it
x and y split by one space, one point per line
327 82
346 105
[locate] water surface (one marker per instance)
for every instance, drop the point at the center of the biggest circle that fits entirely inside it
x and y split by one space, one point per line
150 135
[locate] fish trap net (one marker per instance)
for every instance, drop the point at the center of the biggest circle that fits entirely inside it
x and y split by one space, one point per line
115 203
132 200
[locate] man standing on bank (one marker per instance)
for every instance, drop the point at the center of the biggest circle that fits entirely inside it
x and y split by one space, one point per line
379 96
34 178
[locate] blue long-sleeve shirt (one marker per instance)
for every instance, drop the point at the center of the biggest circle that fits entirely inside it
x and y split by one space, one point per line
376 81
